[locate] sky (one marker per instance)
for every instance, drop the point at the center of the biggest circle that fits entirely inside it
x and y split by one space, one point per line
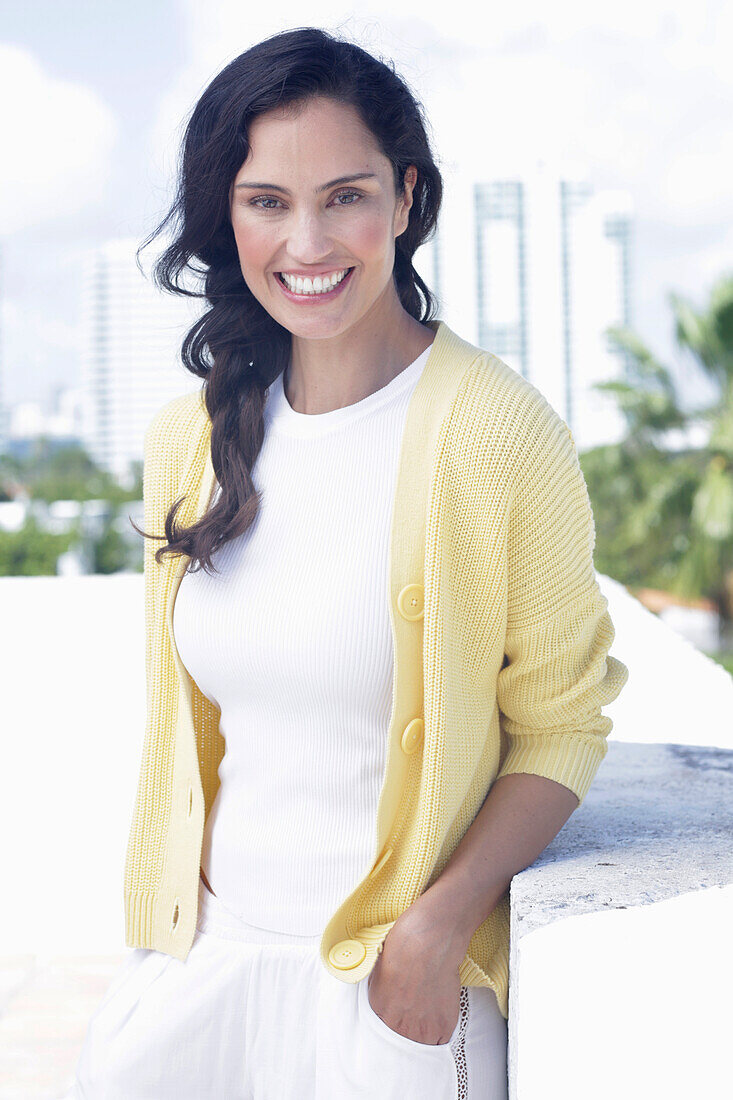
95 97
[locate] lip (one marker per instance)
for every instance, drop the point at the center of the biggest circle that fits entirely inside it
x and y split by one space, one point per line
311 273
312 298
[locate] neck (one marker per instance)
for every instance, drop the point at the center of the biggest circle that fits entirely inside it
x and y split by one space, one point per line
334 372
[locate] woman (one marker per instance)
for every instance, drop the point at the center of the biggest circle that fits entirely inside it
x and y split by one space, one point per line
376 649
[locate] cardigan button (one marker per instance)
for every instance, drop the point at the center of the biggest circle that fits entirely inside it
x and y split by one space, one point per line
410 601
413 736
347 954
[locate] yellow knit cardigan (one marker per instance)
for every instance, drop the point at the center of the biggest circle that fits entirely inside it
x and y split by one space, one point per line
501 637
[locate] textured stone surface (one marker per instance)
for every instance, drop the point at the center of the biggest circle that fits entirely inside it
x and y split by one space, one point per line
657 821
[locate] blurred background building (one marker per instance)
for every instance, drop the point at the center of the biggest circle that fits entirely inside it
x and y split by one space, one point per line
132 335
553 272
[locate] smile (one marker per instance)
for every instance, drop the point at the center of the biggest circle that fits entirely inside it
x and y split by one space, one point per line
303 289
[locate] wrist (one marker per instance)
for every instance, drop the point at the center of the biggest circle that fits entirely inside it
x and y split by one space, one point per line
435 914
453 904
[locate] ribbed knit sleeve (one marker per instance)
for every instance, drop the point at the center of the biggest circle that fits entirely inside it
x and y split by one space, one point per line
559 674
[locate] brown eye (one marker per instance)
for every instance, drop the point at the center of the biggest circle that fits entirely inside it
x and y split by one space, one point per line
351 194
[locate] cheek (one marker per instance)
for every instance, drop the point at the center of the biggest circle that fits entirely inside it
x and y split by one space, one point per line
254 244
370 238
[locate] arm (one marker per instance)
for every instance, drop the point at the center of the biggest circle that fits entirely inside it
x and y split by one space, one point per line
416 979
521 814
550 692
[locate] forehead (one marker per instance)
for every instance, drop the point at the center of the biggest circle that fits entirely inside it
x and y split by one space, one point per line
321 133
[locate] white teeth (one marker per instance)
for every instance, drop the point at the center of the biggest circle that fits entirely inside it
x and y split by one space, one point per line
318 285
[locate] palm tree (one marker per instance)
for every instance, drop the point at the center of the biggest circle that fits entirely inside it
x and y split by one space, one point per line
670 515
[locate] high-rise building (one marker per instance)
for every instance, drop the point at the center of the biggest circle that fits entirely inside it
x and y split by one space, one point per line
553 274
131 361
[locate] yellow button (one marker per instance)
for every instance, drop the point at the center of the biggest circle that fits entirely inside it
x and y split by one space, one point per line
413 735
347 954
410 601
380 862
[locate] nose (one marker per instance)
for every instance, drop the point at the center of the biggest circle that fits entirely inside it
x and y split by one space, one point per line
307 240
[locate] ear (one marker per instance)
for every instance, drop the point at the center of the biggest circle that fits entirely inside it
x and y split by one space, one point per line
404 204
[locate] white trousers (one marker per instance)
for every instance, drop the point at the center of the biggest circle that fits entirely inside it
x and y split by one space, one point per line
254 1015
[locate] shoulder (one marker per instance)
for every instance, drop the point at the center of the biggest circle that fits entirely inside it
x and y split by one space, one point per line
178 417
485 394
173 432
497 409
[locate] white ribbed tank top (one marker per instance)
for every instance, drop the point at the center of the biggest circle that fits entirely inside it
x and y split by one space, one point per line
292 641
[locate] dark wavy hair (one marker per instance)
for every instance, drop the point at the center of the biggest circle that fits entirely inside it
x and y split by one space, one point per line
236 346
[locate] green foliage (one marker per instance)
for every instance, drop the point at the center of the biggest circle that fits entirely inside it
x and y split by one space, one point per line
724 659
112 553
50 474
31 552
640 544
664 518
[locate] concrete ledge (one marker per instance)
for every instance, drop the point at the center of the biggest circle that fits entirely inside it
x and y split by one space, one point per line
621 961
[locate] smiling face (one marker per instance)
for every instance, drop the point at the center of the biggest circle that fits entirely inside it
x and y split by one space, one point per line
299 220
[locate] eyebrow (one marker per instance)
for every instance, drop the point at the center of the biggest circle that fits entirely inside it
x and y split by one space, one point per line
323 187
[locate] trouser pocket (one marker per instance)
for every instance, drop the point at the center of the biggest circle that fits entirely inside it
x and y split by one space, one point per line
107 1032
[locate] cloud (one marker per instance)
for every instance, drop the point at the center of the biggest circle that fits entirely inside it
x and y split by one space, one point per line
57 139
643 94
